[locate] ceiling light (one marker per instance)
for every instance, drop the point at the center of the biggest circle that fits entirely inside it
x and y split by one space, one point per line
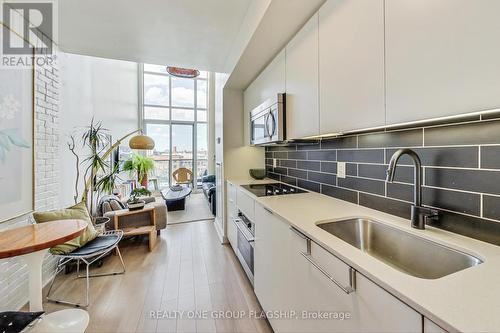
183 72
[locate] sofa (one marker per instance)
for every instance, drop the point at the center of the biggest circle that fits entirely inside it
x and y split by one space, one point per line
109 205
208 187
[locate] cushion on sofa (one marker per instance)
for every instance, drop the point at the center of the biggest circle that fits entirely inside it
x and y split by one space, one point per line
208 179
76 212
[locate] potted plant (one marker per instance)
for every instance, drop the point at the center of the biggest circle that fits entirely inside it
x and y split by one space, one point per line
140 165
134 202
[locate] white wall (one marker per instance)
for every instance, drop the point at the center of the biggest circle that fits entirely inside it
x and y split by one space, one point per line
13 271
94 87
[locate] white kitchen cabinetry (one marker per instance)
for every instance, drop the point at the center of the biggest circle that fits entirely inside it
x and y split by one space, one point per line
430 327
286 281
272 281
351 65
246 204
302 86
369 307
232 213
268 84
442 58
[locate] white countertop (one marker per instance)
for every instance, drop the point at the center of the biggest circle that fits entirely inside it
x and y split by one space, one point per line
466 301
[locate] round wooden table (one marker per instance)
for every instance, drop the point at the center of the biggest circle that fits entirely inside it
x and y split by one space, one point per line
30 244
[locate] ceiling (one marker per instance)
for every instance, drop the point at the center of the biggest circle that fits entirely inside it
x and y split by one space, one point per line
187 33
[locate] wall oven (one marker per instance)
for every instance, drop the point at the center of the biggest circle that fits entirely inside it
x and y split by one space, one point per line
267 122
245 244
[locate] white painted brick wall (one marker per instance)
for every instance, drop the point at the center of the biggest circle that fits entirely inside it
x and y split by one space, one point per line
13 274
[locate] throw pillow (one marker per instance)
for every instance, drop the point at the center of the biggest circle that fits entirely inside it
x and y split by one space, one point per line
79 212
115 205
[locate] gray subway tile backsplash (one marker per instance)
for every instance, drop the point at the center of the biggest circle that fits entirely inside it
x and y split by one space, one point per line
297 155
351 169
323 178
462 202
362 184
340 193
297 173
482 181
311 186
309 165
408 138
288 163
486 132
390 206
490 157
330 167
461 172
463 157
347 142
400 191
491 207
361 156
404 174
322 155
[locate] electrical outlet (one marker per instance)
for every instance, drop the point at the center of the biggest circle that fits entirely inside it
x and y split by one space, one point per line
341 169
275 163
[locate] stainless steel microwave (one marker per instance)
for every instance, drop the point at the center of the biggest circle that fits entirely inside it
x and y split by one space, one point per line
267 122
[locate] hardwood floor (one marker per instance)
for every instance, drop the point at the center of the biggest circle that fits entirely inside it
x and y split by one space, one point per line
189 270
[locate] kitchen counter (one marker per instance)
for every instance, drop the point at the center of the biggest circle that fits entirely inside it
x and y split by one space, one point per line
466 301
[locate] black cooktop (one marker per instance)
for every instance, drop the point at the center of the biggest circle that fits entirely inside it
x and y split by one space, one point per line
263 190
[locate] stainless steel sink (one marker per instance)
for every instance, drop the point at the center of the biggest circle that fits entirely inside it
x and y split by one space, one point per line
404 251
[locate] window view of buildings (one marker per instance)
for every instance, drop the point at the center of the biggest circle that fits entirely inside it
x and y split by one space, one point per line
175 116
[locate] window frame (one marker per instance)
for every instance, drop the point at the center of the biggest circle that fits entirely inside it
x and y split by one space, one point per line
194 123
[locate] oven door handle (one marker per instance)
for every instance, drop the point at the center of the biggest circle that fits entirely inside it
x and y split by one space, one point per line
244 230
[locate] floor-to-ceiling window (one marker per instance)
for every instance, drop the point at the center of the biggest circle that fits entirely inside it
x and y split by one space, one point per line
175 116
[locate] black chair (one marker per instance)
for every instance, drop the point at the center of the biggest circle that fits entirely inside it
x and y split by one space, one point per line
90 253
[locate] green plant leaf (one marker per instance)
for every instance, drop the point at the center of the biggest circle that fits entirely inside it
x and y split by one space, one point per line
15 138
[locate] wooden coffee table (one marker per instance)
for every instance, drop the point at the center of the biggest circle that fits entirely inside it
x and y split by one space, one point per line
176 200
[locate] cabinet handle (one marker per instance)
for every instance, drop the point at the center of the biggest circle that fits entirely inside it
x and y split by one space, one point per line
352 273
244 231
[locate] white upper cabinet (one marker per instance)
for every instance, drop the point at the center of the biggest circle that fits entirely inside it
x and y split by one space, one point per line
442 58
351 65
268 84
302 91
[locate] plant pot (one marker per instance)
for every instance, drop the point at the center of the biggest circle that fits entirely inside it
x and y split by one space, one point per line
136 205
144 181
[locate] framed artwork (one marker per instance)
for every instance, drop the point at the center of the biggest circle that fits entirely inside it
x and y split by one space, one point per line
16 142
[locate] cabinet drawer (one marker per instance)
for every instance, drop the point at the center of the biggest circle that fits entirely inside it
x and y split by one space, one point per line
333 266
246 204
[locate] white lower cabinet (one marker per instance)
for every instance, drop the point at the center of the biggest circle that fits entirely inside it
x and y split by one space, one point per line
288 284
271 279
232 212
368 308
